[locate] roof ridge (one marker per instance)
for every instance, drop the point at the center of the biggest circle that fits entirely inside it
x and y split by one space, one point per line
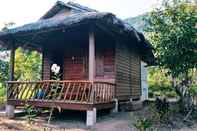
79 6
61 4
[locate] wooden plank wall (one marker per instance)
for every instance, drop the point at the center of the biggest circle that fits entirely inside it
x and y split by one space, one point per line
127 73
46 66
74 68
123 75
105 62
75 63
135 75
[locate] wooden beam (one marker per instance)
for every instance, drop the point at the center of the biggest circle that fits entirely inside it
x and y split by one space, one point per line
12 62
91 55
63 105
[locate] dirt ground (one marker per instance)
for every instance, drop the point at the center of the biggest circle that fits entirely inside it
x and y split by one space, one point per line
121 121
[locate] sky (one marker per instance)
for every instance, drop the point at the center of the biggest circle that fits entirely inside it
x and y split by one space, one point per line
26 11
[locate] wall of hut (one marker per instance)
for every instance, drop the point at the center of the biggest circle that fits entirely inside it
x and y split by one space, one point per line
105 62
114 63
75 63
135 74
127 73
46 65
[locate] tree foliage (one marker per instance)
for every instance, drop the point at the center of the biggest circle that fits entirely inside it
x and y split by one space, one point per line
173 32
4 66
159 83
27 63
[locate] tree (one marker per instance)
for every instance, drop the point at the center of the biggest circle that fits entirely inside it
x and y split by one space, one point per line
159 84
4 65
172 31
27 63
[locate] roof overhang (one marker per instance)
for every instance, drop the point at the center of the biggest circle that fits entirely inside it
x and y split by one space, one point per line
107 20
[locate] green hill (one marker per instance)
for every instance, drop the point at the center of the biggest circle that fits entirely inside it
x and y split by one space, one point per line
138 22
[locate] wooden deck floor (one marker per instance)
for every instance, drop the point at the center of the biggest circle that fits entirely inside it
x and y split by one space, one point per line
62 105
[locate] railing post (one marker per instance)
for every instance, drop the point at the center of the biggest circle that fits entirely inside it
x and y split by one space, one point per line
92 93
12 62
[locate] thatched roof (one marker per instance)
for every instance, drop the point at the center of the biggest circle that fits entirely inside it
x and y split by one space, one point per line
106 20
77 8
60 22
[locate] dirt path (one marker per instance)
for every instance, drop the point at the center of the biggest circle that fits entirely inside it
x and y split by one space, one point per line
115 122
111 122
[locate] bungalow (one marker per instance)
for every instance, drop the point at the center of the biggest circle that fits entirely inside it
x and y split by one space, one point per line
99 57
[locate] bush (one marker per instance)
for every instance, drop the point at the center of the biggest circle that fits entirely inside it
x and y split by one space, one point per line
2 91
2 94
193 90
30 114
143 124
162 108
170 94
159 83
158 90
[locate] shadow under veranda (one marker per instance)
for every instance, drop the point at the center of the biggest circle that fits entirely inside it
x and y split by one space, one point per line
65 119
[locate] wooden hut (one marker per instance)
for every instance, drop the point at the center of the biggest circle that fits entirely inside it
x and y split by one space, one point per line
98 53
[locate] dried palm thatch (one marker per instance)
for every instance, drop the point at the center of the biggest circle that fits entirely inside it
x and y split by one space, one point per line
107 20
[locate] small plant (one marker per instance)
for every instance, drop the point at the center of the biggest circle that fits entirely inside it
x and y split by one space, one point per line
55 69
143 124
193 90
55 88
30 114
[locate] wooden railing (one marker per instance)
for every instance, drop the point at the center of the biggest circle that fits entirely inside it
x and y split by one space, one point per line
62 91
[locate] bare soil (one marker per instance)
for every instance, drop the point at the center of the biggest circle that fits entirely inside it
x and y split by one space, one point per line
75 121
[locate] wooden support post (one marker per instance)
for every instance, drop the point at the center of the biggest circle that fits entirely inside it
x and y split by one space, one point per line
91 117
115 109
91 61
10 108
91 55
12 61
10 111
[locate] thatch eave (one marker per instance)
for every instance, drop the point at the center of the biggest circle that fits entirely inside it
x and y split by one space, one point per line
107 20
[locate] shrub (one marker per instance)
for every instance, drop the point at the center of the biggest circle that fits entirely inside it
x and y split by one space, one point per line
2 94
193 90
143 124
162 108
30 114
170 94
161 90
159 83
